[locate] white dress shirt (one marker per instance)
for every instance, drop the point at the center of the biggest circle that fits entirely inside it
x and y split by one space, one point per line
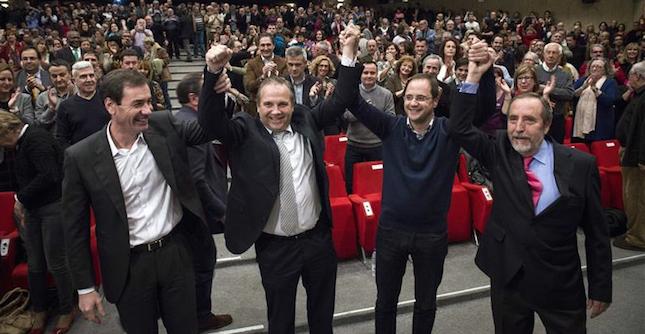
304 183
152 208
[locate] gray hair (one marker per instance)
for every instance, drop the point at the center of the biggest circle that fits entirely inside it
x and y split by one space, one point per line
558 45
432 56
638 69
81 65
296 51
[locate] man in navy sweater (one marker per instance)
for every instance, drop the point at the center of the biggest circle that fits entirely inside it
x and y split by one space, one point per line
420 162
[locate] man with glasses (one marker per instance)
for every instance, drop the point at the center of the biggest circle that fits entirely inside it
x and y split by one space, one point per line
421 161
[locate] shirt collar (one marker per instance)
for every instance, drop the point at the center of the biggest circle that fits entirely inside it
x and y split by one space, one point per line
546 68
267 59
297 82
113 148
543 152
288 130
420 134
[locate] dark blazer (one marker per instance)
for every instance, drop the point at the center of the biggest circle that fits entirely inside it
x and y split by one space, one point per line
208 170
306 87
255 159
65 54
91 179
539 252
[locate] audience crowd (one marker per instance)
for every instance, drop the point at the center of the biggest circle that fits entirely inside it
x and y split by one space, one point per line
54 56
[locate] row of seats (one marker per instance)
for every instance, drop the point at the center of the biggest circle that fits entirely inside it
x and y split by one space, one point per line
14 273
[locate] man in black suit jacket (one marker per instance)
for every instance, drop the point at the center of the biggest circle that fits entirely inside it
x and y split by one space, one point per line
135 175
279 193
72 52
529 247
301 82
208 170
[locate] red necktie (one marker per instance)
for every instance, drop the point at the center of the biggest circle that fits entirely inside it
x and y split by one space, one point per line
534 182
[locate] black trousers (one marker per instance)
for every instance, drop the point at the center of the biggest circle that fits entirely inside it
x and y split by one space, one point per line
428 252
513 314
283 261
557 128
161 282
354 155
204 255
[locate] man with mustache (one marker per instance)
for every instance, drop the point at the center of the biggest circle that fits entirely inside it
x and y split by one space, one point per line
544 191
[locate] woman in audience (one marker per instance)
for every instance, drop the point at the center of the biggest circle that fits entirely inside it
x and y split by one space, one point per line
630 56
525 81
38 213
405 68
43 51
449 52
386 65
323 69
594 119
11 99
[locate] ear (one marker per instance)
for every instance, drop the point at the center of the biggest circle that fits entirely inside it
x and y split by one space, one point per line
110 106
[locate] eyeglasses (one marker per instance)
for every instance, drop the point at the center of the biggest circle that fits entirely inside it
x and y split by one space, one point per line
418 98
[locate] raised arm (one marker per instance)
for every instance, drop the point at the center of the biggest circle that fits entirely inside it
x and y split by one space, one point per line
464 105
349 75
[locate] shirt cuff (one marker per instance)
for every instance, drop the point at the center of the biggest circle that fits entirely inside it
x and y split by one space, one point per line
348 62
86 291
469 87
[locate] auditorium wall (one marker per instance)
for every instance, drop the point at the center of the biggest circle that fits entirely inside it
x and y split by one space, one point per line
567 11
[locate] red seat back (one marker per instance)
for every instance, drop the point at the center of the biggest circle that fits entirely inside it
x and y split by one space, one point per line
568 128
335 147
368 178
336 181
606 152
580 146
462 169
7 224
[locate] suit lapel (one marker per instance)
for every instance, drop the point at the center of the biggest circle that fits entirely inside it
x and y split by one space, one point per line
106 172
159 148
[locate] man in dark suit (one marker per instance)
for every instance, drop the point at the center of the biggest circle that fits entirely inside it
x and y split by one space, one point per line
263 66
543 192
279 193
208 169
32 78
135 175
72 52
301 82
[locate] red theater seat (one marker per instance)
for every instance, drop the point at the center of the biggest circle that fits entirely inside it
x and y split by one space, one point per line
8 241
480 197
608 160
335 147
568 129
459 214
367 185
605 192
344 227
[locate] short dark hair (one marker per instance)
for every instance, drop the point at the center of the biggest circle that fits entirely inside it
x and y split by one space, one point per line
461 62
61 62
435 91
113 83
191 83
370 62
130 52
267 35
30 48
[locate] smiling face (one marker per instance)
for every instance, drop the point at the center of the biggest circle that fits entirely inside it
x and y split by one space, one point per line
131 115
418 102
6 82
275 106
406 68
266 47
526 127
85 80
368 77
323 68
